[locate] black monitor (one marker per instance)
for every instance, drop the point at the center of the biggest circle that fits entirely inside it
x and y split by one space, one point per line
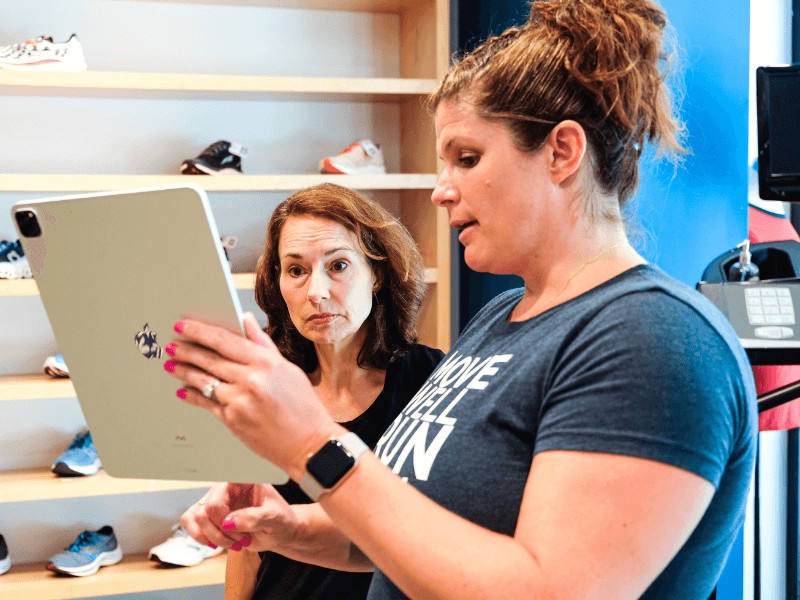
778 116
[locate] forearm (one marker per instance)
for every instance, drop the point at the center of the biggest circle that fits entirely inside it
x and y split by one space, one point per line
424 549
319 542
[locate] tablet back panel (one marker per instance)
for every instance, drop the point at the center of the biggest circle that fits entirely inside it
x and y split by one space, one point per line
115 271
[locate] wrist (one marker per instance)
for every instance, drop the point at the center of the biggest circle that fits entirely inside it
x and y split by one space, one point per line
331 464
315 441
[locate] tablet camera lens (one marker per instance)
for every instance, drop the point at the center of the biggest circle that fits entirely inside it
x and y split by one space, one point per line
28 223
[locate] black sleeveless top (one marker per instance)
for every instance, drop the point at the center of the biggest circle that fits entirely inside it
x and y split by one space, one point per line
281 578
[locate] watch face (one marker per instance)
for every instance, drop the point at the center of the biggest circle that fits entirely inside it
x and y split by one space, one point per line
330 464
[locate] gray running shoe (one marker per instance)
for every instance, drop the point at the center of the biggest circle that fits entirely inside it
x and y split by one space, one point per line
90 551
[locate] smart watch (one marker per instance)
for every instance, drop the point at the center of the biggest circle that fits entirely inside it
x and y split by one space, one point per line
327 467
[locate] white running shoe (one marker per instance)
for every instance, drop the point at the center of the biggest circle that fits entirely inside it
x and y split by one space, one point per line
182 550
43 54
359 158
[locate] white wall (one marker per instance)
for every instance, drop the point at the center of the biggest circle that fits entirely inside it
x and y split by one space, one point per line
123 133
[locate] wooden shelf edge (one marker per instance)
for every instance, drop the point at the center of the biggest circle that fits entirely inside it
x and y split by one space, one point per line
36 386
31 485
182 83
241 281
136 573
385 6
243 183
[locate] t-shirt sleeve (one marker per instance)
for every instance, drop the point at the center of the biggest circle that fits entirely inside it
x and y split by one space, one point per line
657 384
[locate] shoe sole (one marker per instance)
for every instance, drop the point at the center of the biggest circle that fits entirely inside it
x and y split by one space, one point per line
104 559
326 167
12 271
5 565
66 470
45 66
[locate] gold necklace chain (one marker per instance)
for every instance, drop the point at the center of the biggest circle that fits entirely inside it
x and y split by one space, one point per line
592 260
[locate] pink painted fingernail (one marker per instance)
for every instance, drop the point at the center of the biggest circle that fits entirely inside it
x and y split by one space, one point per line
169 366
179 326
170 348
212 545
228 524
236 547
245 541
181 393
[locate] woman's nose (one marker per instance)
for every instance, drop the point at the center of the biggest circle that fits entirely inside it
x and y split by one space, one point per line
444 192
319 286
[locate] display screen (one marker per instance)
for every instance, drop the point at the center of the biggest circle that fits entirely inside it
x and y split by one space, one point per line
778 116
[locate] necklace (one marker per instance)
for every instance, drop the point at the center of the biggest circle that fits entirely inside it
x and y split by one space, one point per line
583 265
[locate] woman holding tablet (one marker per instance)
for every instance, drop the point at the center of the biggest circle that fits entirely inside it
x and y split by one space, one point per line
341 282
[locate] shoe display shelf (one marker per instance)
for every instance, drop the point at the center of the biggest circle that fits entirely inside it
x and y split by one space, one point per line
424 54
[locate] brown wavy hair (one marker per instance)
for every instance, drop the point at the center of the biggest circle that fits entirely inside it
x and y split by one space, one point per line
598 62
391 253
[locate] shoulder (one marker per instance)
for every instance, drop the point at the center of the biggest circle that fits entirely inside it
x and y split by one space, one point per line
419 359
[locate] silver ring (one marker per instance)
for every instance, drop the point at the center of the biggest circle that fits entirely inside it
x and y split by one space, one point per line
202 501
210 389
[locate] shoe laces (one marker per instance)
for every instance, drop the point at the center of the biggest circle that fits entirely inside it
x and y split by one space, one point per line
7 247
81 441
87 538
216 149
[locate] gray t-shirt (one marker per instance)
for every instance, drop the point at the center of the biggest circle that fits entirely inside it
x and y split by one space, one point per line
641 365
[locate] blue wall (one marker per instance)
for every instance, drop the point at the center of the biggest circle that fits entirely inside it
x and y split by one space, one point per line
681 219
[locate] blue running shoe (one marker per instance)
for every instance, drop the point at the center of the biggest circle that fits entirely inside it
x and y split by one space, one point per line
90 551
13 264
79 459
55 366
5 559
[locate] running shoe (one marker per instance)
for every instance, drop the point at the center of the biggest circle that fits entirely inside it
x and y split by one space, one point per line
55 366
90 551
43 54
182 550
13 264
79 460
220 158
228 243
361 157
5 559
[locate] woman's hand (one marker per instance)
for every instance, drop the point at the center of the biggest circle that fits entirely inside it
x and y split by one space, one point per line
265 400
236 516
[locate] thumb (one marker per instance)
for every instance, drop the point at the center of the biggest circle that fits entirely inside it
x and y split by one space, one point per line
254 332
251 519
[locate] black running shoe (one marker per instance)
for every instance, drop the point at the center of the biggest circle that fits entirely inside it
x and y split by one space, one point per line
5 559
220 158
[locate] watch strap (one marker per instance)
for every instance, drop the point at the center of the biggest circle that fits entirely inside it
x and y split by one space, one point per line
353 446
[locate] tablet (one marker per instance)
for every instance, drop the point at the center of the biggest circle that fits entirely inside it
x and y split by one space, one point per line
115 271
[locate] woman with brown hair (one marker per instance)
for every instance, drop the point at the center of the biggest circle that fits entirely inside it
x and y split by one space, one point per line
590 435
341 282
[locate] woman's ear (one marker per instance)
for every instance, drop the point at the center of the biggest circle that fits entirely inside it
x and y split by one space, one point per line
567 142
378 275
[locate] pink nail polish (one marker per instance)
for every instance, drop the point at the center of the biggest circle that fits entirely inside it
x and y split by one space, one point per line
212 545
245 541
179 326
228 525
170 348
181 393
236 547
169 366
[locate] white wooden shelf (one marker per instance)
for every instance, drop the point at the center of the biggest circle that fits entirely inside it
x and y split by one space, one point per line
242 281
134 574
28 485
231 183
345 89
